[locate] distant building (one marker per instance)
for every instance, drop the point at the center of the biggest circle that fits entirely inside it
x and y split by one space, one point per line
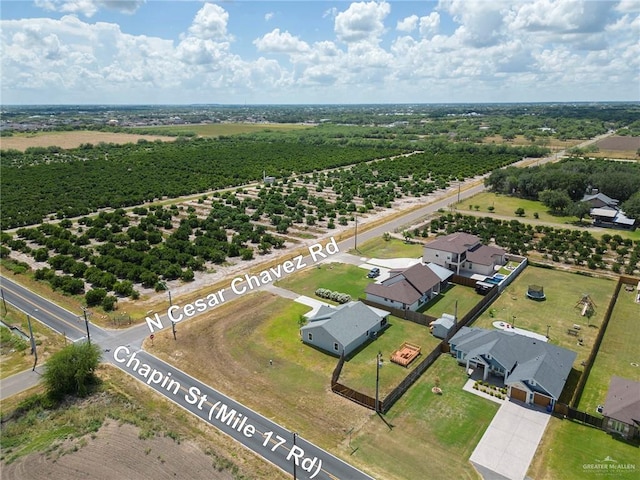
606 213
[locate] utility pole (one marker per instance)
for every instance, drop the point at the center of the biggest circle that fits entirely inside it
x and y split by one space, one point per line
378 381
458 190
4 303
173 324
355 242
33 344
86 322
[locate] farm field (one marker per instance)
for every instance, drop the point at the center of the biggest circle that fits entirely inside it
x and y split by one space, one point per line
236 342
550 142
122 431
66 140
573 451
625 147
228 128
425 432
560 311
618 354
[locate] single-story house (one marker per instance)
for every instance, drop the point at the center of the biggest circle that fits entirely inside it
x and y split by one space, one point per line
440 328
410 288
463 253
597 200
342 329
622 407
534 371
610 217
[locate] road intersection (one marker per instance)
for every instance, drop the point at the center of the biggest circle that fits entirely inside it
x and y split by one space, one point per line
274 443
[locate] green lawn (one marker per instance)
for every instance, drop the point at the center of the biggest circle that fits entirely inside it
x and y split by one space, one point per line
571 451
563 291
359 372
617 353
466 298
393 248
339 277
428 435
507 205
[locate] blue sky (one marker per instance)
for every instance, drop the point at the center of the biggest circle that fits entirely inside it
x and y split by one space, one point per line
136 51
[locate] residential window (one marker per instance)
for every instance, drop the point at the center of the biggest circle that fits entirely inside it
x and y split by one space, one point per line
310 336
335 346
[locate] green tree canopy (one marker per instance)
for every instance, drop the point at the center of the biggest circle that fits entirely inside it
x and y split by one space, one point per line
631 207
71 371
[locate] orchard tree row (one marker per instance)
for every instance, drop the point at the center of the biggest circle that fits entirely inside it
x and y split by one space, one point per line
77 182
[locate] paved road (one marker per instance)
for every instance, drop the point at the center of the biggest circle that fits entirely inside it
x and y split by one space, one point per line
259 434
264 437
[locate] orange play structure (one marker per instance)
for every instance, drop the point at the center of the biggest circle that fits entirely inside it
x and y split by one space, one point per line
406 354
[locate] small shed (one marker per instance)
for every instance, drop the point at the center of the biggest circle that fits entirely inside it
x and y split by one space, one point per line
440 328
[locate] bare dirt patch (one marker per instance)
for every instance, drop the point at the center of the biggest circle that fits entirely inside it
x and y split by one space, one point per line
619 143
230 350
73 139
118 452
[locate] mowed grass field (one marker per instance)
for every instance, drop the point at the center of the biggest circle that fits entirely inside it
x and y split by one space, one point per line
427 435
618 354
568 451
505 205
464 297
563 291
339 277
359 372
393 248
230 349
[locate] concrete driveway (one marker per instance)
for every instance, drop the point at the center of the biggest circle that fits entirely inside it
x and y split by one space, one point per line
509 444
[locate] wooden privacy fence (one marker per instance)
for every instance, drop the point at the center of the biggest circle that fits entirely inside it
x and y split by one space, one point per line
582 381
410 379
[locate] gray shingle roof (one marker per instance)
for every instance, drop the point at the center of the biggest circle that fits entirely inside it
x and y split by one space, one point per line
346 322
524 357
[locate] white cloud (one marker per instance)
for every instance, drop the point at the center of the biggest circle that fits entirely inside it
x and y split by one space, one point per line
88 8
280 42
362 21
331 13
429 24
210 22
407 24
498 51
268 16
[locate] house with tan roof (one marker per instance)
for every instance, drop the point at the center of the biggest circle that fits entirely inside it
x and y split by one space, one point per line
411 288
464 254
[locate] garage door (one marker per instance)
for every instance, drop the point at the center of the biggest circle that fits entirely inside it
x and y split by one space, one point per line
541 400
518 394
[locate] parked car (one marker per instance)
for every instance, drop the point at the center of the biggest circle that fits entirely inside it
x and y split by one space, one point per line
374 272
